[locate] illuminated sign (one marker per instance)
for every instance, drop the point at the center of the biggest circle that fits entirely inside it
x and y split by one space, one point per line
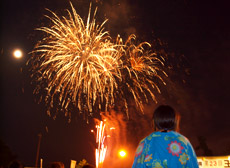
214 162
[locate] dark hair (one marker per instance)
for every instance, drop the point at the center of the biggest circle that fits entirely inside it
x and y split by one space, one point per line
56 165
165 118
15 164
88 166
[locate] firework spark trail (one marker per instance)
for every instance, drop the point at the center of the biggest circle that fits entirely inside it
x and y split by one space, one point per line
101 149
79 64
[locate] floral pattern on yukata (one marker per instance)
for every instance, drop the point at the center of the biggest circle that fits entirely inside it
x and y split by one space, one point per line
183 158
148 158
165 150
175 148
165 163
155 135
141 159
139 149
168 138
183 139
157 164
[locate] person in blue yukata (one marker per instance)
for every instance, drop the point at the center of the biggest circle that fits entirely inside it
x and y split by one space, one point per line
165 147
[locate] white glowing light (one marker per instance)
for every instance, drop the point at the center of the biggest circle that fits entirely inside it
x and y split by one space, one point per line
122 153
17 53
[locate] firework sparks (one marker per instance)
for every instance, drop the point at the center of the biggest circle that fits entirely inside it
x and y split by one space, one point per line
77 63
140 72
101 149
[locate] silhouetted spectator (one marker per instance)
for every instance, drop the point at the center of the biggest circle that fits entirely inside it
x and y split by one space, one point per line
203 146
57 165
88 166
15 164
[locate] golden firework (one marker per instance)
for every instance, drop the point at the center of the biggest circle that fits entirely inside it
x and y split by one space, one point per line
141 70
78 61
78 64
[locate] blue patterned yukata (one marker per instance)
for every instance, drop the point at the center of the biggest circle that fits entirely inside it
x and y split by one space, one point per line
165 150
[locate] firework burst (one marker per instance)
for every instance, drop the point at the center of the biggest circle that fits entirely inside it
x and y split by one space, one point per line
78 64
140 72
78 61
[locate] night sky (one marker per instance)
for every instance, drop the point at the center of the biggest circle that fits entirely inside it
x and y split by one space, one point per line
196 37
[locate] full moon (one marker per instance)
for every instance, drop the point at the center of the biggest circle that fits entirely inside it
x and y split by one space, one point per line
17 53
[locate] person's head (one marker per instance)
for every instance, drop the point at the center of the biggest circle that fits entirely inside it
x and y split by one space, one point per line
15 164
88 166
56 165
165 118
